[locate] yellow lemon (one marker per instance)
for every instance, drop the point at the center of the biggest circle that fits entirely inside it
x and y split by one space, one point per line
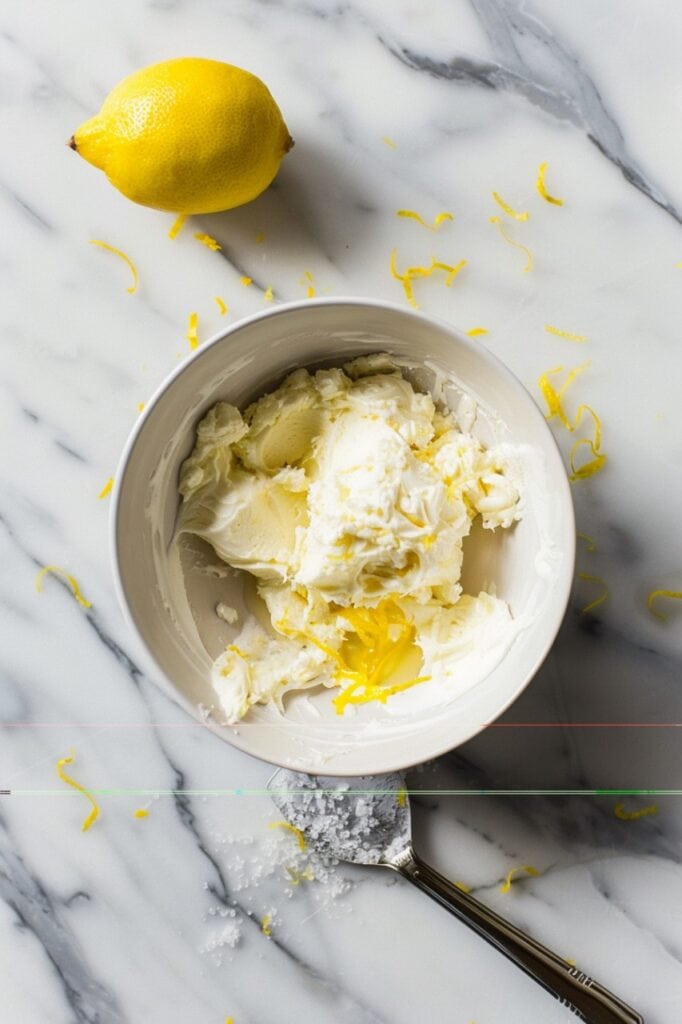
188 136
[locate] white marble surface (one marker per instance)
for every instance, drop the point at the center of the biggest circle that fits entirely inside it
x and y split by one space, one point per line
134 920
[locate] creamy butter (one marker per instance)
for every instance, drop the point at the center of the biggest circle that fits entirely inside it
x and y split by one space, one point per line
347 494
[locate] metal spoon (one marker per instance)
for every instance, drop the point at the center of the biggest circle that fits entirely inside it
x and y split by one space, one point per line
366 820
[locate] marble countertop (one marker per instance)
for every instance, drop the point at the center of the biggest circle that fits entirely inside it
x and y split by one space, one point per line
428 107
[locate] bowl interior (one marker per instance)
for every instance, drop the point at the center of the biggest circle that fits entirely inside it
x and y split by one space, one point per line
169 592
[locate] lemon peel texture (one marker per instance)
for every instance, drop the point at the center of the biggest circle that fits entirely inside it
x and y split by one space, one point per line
187 136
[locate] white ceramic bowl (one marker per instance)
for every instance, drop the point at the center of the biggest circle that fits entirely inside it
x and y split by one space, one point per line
531 565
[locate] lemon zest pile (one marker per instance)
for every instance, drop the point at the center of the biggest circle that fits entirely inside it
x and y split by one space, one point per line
590 541
517 245
266 925
107 488
540 185
643 812
308 277
208 241
410 273
413 215
401 798
553 397
598 600
177 225
268 294
71 580
246 281
229 1020
378 640
675 595
94 813
569 335
221 304
290 828
117 252
140 406
475 331
192 336
507 884
141 812
388 141
260 237
510 211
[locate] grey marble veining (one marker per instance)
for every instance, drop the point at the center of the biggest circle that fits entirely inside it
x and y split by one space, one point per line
159 920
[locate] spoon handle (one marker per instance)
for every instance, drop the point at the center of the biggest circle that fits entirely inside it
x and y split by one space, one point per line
586 998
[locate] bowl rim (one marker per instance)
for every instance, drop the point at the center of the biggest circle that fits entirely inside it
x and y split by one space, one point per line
231 733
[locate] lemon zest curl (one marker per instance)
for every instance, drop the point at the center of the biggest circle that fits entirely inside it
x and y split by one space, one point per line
540 185
413 215
123 256
94 813
71 580
507 884
675 595
509 210
517 245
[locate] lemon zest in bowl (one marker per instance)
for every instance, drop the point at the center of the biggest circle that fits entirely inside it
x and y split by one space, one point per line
507 884
290 828
517 245
600 598
509 210
246 281
123 256
177 225
475 331
56 570
674 595
192 335
352 694
462 886
106 490
589 541
266 925
644 812
141 812
269 294
540 185
413 215
568 335
388 141
94 813
140 406
222 305
208 241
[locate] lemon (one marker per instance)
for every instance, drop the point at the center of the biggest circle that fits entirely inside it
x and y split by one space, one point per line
188 136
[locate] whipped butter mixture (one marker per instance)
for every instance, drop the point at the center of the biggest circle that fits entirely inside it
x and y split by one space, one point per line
347 494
